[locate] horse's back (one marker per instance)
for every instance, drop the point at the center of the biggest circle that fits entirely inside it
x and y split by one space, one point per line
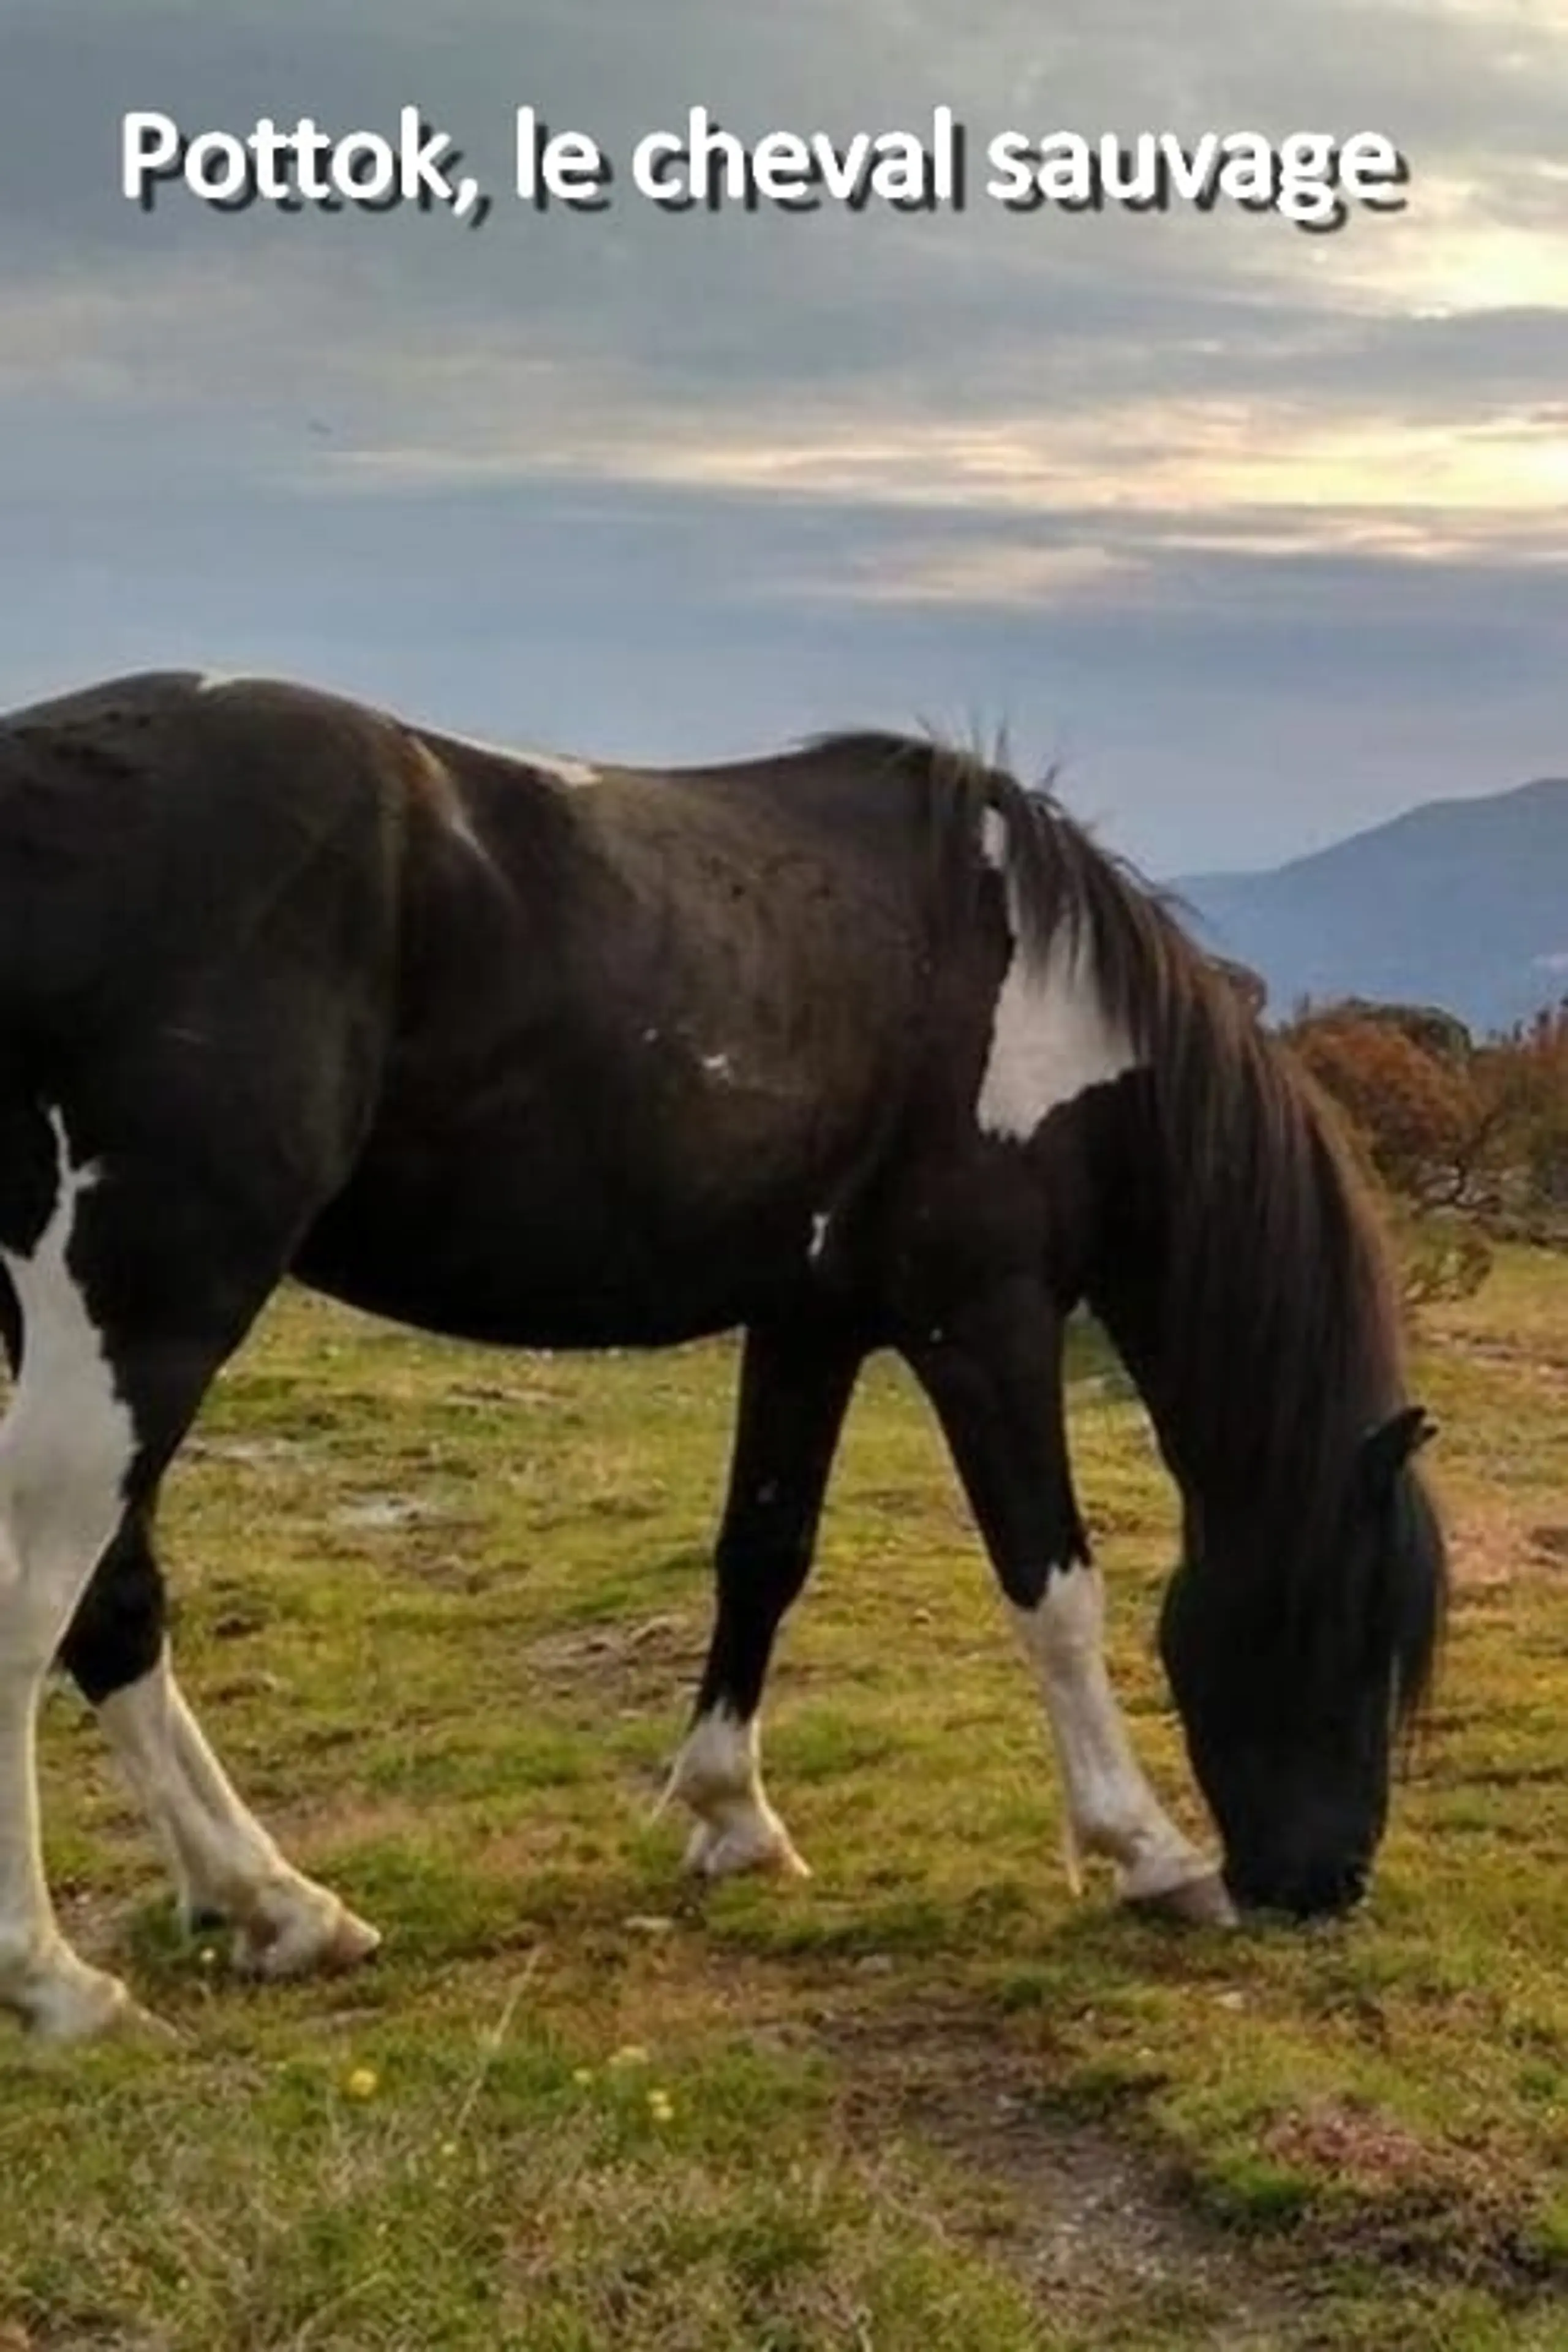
568 1054
633 1085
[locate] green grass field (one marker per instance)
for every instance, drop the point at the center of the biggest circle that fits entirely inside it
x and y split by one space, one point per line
441 1611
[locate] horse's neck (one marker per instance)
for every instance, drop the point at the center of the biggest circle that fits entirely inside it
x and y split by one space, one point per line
1151 1222
1126 1269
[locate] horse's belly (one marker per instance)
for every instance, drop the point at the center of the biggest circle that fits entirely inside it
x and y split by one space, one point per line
492 1252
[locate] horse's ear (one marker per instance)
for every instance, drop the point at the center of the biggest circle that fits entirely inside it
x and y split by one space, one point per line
1391 1445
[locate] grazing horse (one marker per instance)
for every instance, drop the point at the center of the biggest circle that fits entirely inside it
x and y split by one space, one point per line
860 1046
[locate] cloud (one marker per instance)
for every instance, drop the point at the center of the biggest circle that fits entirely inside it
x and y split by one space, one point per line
1150 481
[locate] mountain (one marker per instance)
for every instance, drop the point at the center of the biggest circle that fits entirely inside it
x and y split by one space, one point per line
1462 904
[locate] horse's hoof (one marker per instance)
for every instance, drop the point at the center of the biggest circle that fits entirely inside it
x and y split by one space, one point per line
143 2029
90 2006
746 1845
309 1932
1196 1902
354 1942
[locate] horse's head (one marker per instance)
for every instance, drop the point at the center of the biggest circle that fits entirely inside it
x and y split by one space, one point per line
1292 1713
1208 1203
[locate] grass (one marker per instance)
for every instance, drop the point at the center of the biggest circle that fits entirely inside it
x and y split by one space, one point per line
442 1610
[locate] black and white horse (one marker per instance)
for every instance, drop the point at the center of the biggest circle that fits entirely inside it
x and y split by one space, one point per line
862 1046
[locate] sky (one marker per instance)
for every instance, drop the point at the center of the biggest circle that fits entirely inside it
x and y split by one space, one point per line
1259 535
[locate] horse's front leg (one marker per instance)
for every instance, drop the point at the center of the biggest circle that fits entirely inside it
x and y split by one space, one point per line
795 1386
996 1380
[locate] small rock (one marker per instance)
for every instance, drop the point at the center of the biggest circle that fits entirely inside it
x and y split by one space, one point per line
232 1626
651 1631
378 1511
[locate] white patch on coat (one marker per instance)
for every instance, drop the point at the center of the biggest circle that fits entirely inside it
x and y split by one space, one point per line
222 1858
66 1444
819 1226
1110 1808
560 769
1052 1037
717 1065
719 1775
68 1439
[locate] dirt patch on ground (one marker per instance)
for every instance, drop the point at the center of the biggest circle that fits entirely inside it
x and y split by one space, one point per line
1366 2150
1497 1541
1092 2220
636 1666
1533 1354
1447 2209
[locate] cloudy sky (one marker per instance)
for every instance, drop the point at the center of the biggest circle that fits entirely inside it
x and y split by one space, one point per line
1263 534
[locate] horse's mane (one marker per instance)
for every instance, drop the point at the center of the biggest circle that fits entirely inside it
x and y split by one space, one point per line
1276 1319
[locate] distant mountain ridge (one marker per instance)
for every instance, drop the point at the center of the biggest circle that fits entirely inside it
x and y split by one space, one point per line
1462 904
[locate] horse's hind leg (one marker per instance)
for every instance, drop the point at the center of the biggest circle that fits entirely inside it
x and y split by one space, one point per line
224 1865
994 1377
70 1446
795 1386
132 1280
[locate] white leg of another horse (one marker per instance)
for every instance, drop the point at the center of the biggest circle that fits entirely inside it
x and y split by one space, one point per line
1112 1809
66 1446
223 1860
